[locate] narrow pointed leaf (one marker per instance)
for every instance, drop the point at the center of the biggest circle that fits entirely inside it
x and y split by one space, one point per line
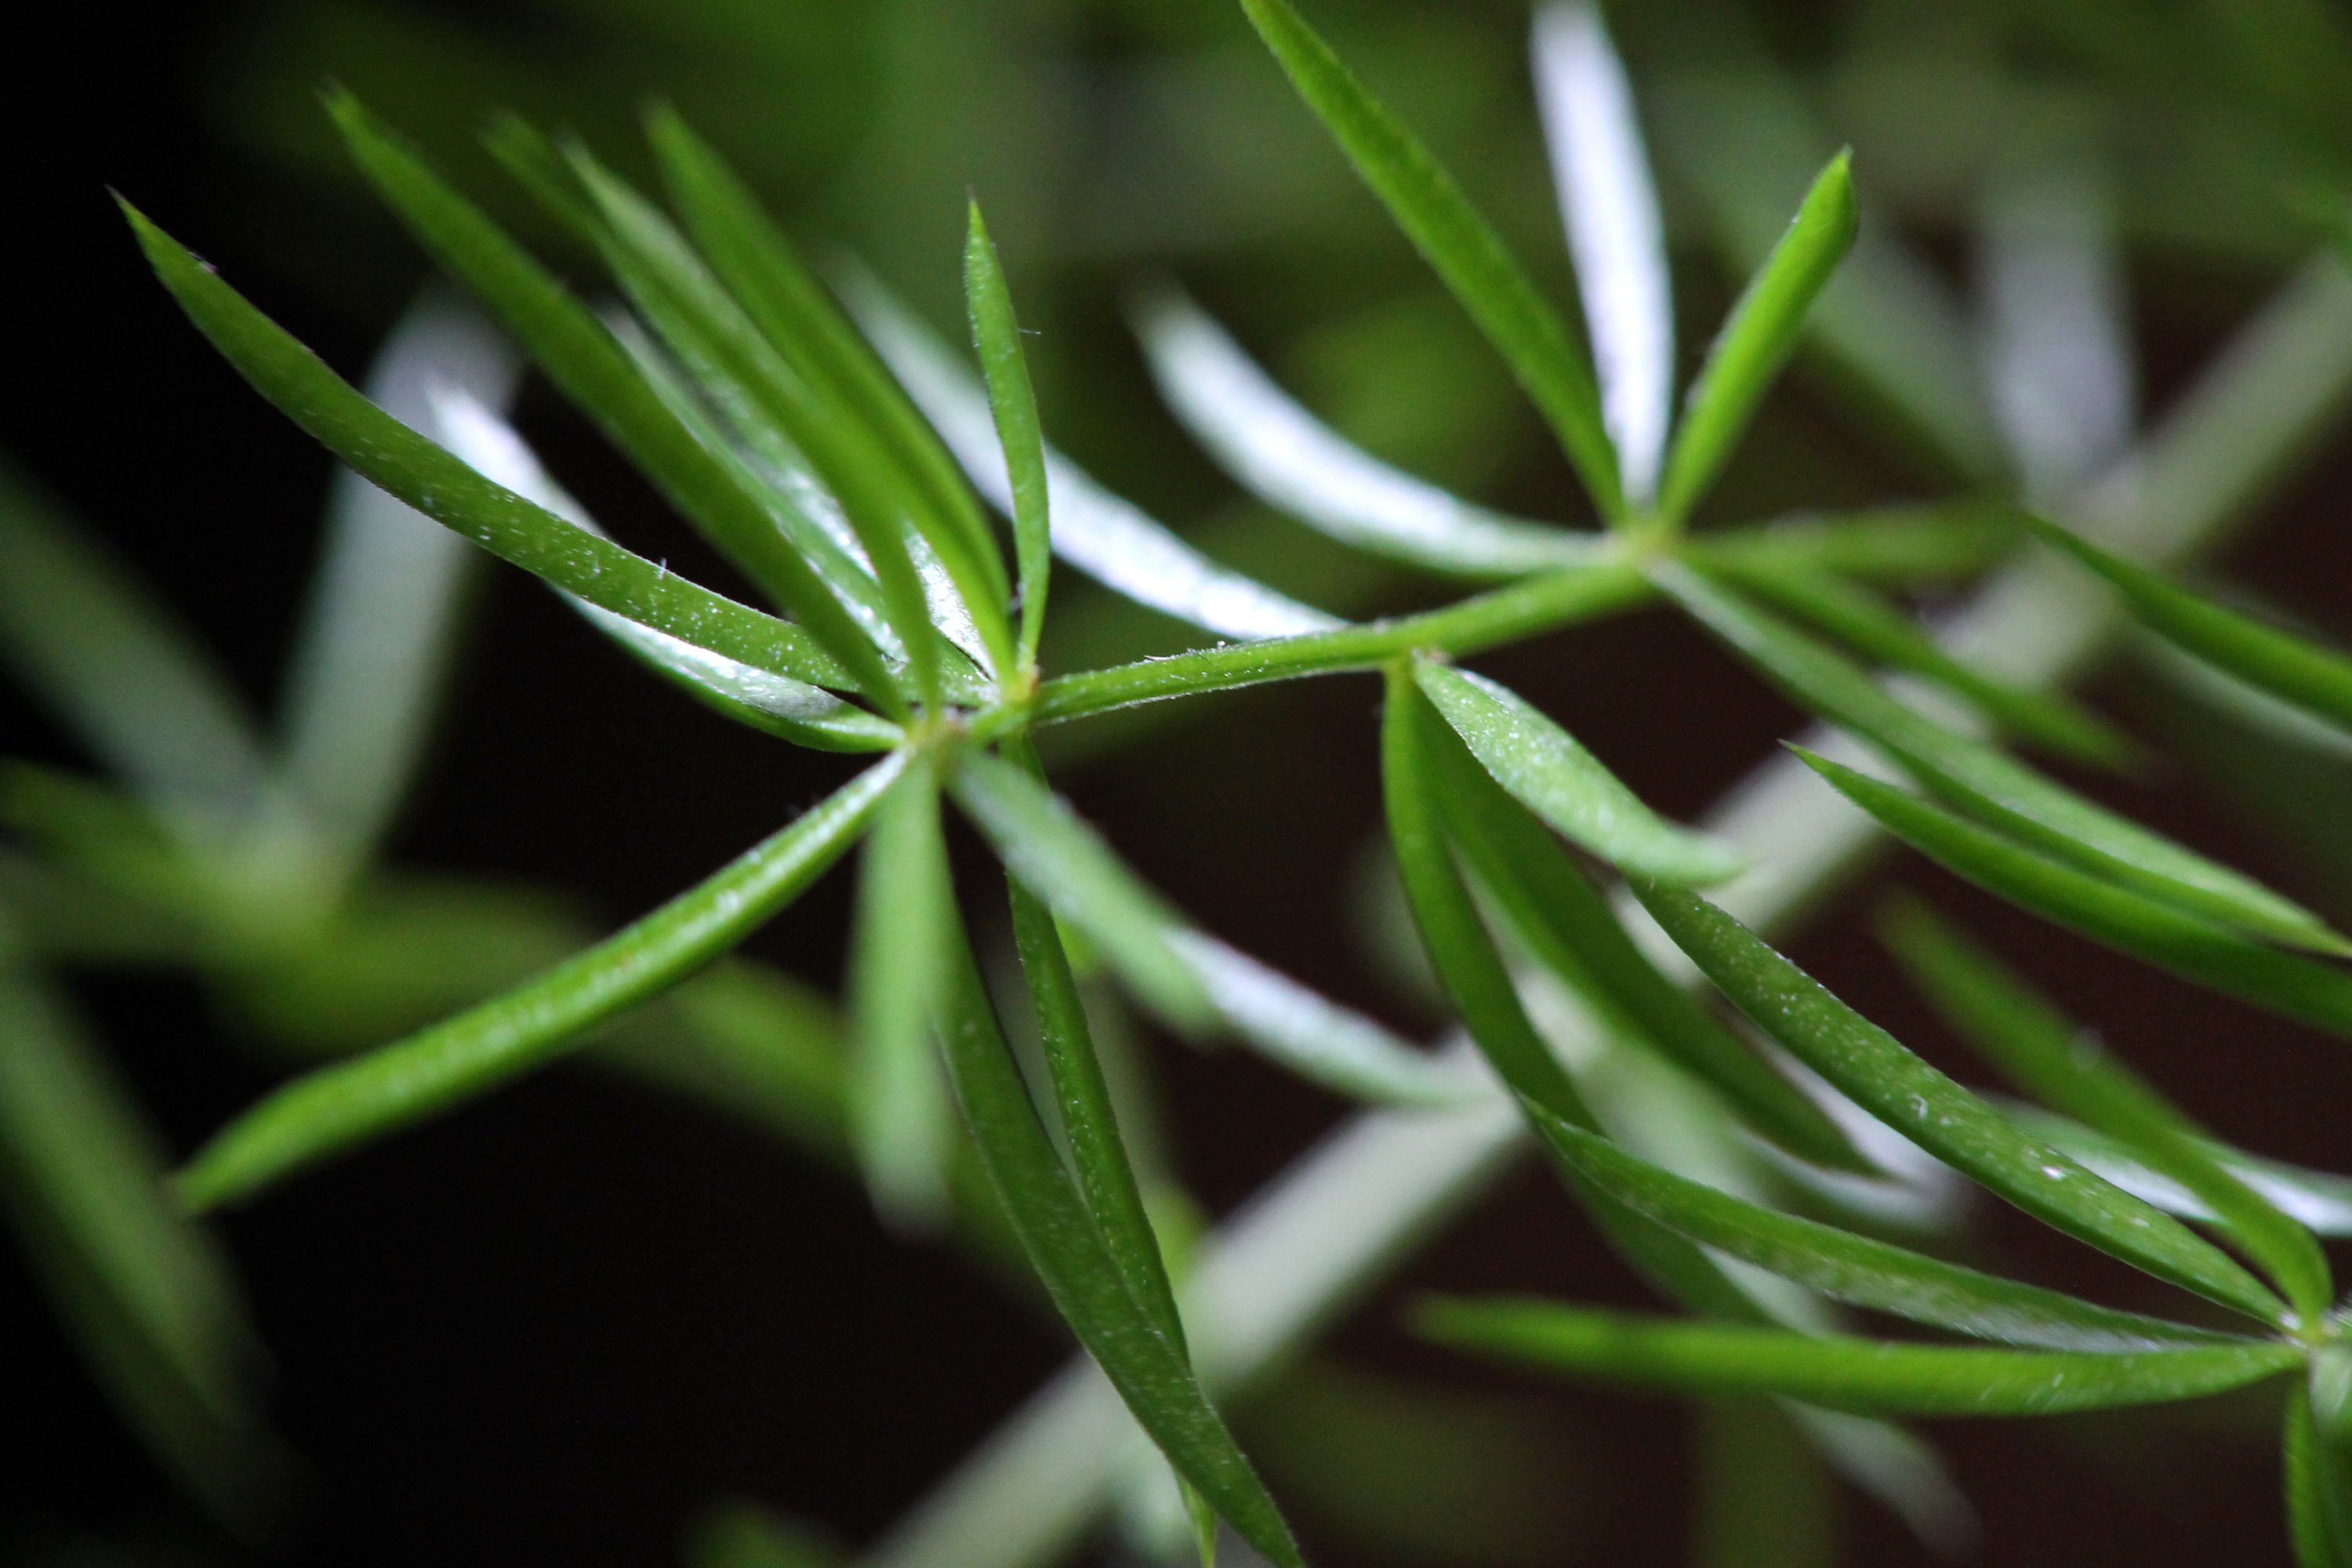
116 668
1544 768
1071 1257
1987 783
996 332
899 1119
802 319
1875 1070
1726 1359
2318 1486
577 352
2052 1058
1853 1268
335 1109
1052 851
2293 669
1884 635
1296 464
2317 1200
779 705
381 621
2285 982
1106 538
387 453
1758 339
1317 1039
1602 174
1764 1498
1481 272
1893 546
1567 924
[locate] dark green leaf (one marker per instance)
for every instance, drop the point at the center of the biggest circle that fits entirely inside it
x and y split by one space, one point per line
1849 1268
1075 1263
2067 1069
1757 337
1542 765
2318 1476
580 357
1066 863
997 334
1894 546
1987 783
1875 1070
2285 982
1422 198
334 1108
1716 1359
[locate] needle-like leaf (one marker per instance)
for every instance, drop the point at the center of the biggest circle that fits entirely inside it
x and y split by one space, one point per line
334 1108
2317 1200
791 710
1843 1374
387 453
1052 851
1567 924
803 320
2295 670
1849 1268
2050 1057
579 356
1876 1070
1293 462
1422 198
1073 1261
2285 982
1095 532
996 332
1879 632
1757 337
1317 1039
2318 1485
1602 174
898 1115
1544 767
1986 783
1895 546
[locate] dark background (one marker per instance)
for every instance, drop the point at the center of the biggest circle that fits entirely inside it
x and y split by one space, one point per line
558 1325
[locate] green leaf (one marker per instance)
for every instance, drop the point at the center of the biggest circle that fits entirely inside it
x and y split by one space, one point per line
2292 669
1302 468
802 322
1567 924
2319 1478
670 284
1544 768
388 454
1875 1070
1849 1268
116 667
2065 1068
997 334
898 1115
1884 634
2285 982
1716 1360
1481 272
1049 847
2317 1200
333 1110
774 704
147 1292
1893 546
1764 1498
1757 337
1317 1040
1987 783
1073 1261
577 352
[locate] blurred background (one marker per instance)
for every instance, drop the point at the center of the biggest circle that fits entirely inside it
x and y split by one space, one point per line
568 1322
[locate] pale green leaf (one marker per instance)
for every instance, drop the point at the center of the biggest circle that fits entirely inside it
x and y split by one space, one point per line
996 331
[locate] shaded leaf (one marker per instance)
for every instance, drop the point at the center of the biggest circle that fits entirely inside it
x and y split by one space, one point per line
1896 546
1842 1373
1875 1070
1757 337
1547 770
2318 1485
1464 251
996 332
